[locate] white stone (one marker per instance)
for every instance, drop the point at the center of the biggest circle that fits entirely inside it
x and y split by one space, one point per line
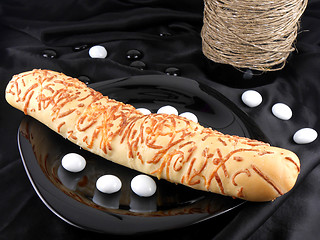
190 116
108 184
144 111
282 111
168 110
251 98
305 135
73 162
143 185
98 52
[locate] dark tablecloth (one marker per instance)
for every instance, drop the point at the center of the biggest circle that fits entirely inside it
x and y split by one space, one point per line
168 34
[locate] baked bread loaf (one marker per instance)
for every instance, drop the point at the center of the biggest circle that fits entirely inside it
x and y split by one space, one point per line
166 146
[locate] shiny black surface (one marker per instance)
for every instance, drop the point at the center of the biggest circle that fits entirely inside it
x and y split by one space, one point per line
73 197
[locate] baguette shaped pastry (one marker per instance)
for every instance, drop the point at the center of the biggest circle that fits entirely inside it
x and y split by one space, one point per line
166 146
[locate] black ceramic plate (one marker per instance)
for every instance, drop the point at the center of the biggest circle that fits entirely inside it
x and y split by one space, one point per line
73 196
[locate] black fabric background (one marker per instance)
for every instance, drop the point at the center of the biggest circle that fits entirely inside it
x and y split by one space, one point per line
29 27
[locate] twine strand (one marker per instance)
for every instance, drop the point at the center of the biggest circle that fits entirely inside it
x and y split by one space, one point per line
253 34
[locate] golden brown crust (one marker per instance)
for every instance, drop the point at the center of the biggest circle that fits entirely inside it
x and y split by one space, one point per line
166 146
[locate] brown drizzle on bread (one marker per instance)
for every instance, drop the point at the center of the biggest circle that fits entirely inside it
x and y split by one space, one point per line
162 145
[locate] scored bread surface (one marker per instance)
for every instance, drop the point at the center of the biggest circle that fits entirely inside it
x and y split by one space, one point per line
166 146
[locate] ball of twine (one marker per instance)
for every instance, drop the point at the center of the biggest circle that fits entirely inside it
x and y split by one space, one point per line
254 34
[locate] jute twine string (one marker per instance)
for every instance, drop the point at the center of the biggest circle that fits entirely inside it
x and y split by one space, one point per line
254 34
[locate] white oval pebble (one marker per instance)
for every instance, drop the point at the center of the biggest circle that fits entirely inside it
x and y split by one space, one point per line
73 162
189 116
108 184
144 111
251 98
168 110
98 52
282 111
305 135
143 185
